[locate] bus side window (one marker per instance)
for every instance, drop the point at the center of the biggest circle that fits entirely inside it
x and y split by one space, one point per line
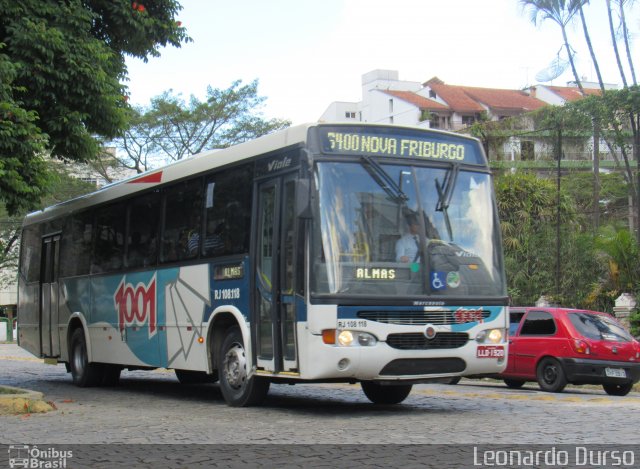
75 257
30 253
108 249
182 221
228 197
142 239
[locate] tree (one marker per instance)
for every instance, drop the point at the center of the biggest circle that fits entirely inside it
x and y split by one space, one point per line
62 187
527 208
62 65
562 13
22 170
172 129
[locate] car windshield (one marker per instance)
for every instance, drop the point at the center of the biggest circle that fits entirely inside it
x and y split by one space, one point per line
405 230
599 327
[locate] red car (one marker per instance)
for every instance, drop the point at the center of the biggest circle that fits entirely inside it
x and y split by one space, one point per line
558 346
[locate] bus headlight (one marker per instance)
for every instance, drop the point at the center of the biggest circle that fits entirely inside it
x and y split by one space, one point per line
490 336
347 338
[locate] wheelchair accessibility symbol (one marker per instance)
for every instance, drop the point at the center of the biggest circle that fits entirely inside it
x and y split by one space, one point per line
437 282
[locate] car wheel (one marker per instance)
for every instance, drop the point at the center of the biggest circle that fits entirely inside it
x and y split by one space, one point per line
618 389
550 374
514 383
238 389
455 380
84 374
379 394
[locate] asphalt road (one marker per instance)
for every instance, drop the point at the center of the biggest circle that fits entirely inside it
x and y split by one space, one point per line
152 408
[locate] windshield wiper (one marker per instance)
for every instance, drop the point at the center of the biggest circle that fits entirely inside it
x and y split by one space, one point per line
445 193
386 182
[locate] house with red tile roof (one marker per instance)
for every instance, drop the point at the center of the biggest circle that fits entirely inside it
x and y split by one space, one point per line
434 104
558 95
469 104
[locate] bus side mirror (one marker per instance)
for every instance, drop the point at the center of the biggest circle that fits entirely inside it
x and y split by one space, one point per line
303 198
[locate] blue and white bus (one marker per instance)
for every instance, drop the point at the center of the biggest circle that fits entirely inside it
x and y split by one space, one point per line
278 261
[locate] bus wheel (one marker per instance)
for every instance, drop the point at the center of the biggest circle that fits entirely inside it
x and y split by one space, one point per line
195 377
84 374
237 388
391 394
111 375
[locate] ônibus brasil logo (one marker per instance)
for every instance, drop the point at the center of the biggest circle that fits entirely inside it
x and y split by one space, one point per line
136 305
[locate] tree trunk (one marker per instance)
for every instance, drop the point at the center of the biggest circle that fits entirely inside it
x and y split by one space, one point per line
596 175
591 51
615 44
625 32
573 65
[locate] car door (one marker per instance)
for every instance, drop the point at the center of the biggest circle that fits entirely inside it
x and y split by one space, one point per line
534 339
515 318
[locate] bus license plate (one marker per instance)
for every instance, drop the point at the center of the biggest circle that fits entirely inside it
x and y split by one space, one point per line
615 372
490 351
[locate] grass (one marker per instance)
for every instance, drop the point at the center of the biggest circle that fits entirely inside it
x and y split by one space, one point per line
4 390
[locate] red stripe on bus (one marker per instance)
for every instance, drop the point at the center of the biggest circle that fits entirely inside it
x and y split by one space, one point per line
154 177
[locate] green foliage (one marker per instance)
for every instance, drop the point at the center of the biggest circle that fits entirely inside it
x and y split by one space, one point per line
22 171
623 255
61 67
614 197
61 187
634 320
527 207
172 129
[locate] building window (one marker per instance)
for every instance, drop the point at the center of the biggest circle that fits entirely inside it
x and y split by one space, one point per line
527 152
432 94
350 115
391 106
468 120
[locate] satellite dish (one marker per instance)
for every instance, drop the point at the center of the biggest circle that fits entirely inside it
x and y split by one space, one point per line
554 70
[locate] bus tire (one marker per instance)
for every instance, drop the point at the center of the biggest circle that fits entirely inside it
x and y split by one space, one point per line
195 377
390 394
237 388
84 373
110 374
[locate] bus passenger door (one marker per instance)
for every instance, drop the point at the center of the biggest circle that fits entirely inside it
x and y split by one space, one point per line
49 339
274 308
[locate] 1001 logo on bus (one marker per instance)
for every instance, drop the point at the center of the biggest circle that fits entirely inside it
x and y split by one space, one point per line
136 305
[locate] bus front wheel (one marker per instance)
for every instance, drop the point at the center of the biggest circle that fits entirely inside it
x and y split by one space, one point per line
238 389
391 394
84 374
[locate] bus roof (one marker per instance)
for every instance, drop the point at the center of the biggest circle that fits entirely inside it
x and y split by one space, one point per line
195 164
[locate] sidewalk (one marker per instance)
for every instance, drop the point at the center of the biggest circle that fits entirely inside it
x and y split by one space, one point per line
16 400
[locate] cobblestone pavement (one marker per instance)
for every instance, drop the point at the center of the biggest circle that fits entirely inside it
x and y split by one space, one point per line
153 408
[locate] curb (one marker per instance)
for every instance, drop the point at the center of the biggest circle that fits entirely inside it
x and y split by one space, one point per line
22 401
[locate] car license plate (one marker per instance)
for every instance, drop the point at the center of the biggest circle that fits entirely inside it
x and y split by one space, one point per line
615 372
490 351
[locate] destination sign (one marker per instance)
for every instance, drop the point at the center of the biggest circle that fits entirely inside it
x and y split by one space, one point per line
228 272
407 144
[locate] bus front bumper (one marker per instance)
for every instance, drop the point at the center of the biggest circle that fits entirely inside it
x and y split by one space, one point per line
384 363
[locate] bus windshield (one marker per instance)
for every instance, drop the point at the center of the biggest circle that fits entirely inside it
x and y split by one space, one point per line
389 229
